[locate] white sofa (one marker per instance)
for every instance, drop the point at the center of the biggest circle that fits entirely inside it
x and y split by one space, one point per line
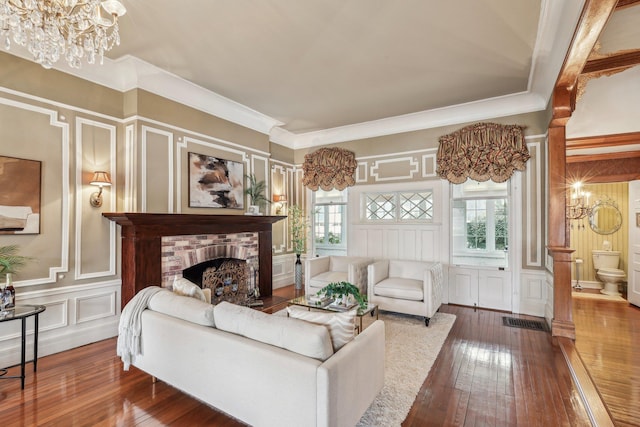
253 366
410 287
320 271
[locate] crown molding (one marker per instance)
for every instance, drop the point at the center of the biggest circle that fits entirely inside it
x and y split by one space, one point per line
508 105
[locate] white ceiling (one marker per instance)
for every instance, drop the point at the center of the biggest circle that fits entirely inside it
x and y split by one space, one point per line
311 72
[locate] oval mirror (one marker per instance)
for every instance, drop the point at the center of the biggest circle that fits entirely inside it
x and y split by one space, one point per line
605 218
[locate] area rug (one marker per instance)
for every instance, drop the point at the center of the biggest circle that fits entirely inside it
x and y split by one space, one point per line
410 350
597 296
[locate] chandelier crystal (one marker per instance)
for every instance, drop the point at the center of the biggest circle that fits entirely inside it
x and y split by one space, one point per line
51 29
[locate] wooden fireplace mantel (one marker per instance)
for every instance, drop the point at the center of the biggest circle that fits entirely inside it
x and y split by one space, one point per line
141 243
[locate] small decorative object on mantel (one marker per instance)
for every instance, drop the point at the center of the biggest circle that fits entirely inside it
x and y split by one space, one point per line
298 226
344 294
256 192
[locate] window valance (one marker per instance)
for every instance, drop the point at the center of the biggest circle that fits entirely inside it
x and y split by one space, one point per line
329 168
481 152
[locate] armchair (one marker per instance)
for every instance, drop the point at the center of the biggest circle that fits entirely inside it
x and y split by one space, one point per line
321 271
410 287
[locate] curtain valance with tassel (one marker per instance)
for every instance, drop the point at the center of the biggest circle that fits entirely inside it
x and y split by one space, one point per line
481 152
329 168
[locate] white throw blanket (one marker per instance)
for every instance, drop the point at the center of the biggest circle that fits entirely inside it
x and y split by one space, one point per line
130 328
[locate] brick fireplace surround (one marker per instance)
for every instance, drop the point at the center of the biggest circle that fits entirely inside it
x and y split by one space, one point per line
142 243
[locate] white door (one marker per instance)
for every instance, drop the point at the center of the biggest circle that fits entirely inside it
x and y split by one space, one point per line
494 289
633 275
463 286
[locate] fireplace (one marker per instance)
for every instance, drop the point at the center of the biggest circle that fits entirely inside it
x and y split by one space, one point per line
142 235
227 264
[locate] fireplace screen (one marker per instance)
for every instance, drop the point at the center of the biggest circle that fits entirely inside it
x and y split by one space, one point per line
228 279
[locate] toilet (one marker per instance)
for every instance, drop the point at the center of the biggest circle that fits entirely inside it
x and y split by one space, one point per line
606 264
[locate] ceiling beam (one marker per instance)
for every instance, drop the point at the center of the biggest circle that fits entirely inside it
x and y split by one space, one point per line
626 3
595 15
601 141
612 62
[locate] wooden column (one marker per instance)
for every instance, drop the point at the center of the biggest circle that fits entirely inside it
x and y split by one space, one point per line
593 20
562 324
142 240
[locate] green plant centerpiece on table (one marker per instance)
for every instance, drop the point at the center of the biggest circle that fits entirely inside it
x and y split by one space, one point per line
256 191
10 261
341 290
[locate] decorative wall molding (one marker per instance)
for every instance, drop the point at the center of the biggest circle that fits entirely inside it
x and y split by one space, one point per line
145 130
429 166
279 174
404 164
80 201
130 169
533 206
96 306
55 121
362 172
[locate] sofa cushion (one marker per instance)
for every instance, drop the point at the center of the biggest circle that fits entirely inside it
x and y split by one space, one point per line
341 326
396 287
291 334
182 307
182 286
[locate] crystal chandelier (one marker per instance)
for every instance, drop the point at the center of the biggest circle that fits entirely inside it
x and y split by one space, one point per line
578 204
50 29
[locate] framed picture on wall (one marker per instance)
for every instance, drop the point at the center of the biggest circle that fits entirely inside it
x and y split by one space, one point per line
19 196
215 182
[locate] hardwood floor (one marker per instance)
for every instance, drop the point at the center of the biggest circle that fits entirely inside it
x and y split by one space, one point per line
486 374
608 340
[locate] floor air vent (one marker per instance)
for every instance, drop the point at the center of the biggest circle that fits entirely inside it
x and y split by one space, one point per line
513 322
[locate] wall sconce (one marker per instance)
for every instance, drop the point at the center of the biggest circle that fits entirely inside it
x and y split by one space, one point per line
101 179
280 199
578 203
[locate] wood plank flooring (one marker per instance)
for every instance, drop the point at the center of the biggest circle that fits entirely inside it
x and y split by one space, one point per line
486 374
608 340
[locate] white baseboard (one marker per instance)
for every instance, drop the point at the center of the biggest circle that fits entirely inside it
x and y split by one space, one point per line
588 285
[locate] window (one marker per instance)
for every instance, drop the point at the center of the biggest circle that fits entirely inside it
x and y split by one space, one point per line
399 206
330 223
480 224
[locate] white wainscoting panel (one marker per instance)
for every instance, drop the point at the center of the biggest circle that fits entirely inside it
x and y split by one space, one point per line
282 270
75 316
533 292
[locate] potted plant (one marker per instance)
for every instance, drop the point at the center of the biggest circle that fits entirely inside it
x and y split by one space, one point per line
298 226
256 192
342 292
10 261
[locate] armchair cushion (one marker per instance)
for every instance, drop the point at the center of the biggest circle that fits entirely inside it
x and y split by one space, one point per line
321 271
400 288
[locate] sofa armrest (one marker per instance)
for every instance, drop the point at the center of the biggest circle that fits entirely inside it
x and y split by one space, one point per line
357 275
315 266
433 278
351 379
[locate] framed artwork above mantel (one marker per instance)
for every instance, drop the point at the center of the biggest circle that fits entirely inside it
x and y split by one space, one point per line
19 195
215 182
